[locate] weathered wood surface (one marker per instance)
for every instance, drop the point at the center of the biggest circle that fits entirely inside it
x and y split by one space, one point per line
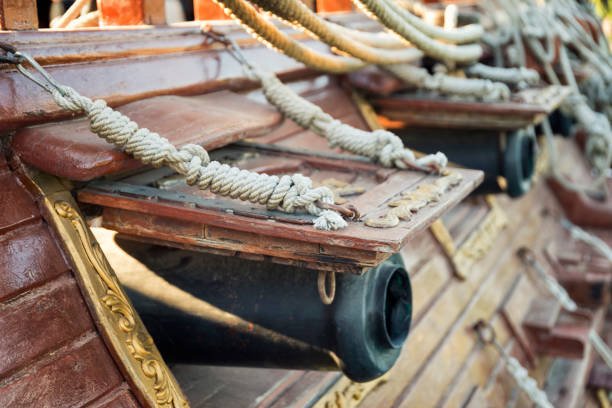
441 353
51 354
126 65
18 15
71 150
185 216
527 108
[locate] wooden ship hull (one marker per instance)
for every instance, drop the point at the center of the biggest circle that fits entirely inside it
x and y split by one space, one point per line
121 285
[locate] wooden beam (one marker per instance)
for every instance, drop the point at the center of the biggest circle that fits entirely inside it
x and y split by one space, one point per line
131 12
18 15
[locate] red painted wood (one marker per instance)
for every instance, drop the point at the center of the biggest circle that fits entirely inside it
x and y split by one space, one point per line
581 209
208 120
17 207
28 258
73 377
41 321
120 398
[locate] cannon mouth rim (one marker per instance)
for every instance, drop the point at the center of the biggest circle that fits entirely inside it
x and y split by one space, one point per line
396 326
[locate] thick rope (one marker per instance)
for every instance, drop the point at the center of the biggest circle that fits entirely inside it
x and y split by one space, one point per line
444 84
296 12
386 14
597 243
379 145
466 34
287 193
521 376
266 32
547 23
519 77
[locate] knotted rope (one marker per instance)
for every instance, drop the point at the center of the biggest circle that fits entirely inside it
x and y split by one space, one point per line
379 145
287 193
520 77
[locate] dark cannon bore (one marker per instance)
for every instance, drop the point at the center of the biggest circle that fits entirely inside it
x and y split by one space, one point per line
509 155
218 310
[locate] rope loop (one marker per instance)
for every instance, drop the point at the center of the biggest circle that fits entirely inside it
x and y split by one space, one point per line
324 276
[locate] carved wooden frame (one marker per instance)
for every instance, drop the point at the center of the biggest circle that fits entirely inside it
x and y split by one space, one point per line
477 244
117 320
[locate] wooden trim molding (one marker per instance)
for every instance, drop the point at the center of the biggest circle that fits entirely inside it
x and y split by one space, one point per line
117 320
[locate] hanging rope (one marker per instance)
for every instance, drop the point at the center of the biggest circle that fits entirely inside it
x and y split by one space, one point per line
380 145
267 33
447 85
394 21
597 243
519 77
528 385
557 19
297 13
287 193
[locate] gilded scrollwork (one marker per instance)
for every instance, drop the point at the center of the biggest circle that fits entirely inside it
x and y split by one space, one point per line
137 340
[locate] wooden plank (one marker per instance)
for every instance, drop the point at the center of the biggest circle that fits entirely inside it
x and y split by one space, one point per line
17 206
441 317
18 15
28 257
40 322
120 397
527 109
207 120
84 364
139 199
205 69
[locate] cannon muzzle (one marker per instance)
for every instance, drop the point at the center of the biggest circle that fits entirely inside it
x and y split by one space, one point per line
511 155
229 311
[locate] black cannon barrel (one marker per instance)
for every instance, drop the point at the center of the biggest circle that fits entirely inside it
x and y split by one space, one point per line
511 155
248 313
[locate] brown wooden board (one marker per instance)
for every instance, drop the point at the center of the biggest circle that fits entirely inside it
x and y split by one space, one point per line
526 108
209 120
185 215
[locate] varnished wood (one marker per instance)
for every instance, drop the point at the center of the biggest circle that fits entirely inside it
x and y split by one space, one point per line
208 120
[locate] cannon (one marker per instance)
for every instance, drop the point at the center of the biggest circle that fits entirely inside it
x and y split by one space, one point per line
510 155
237 312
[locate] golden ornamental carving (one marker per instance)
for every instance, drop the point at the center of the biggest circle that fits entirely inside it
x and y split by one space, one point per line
477 244
137 340
347 394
